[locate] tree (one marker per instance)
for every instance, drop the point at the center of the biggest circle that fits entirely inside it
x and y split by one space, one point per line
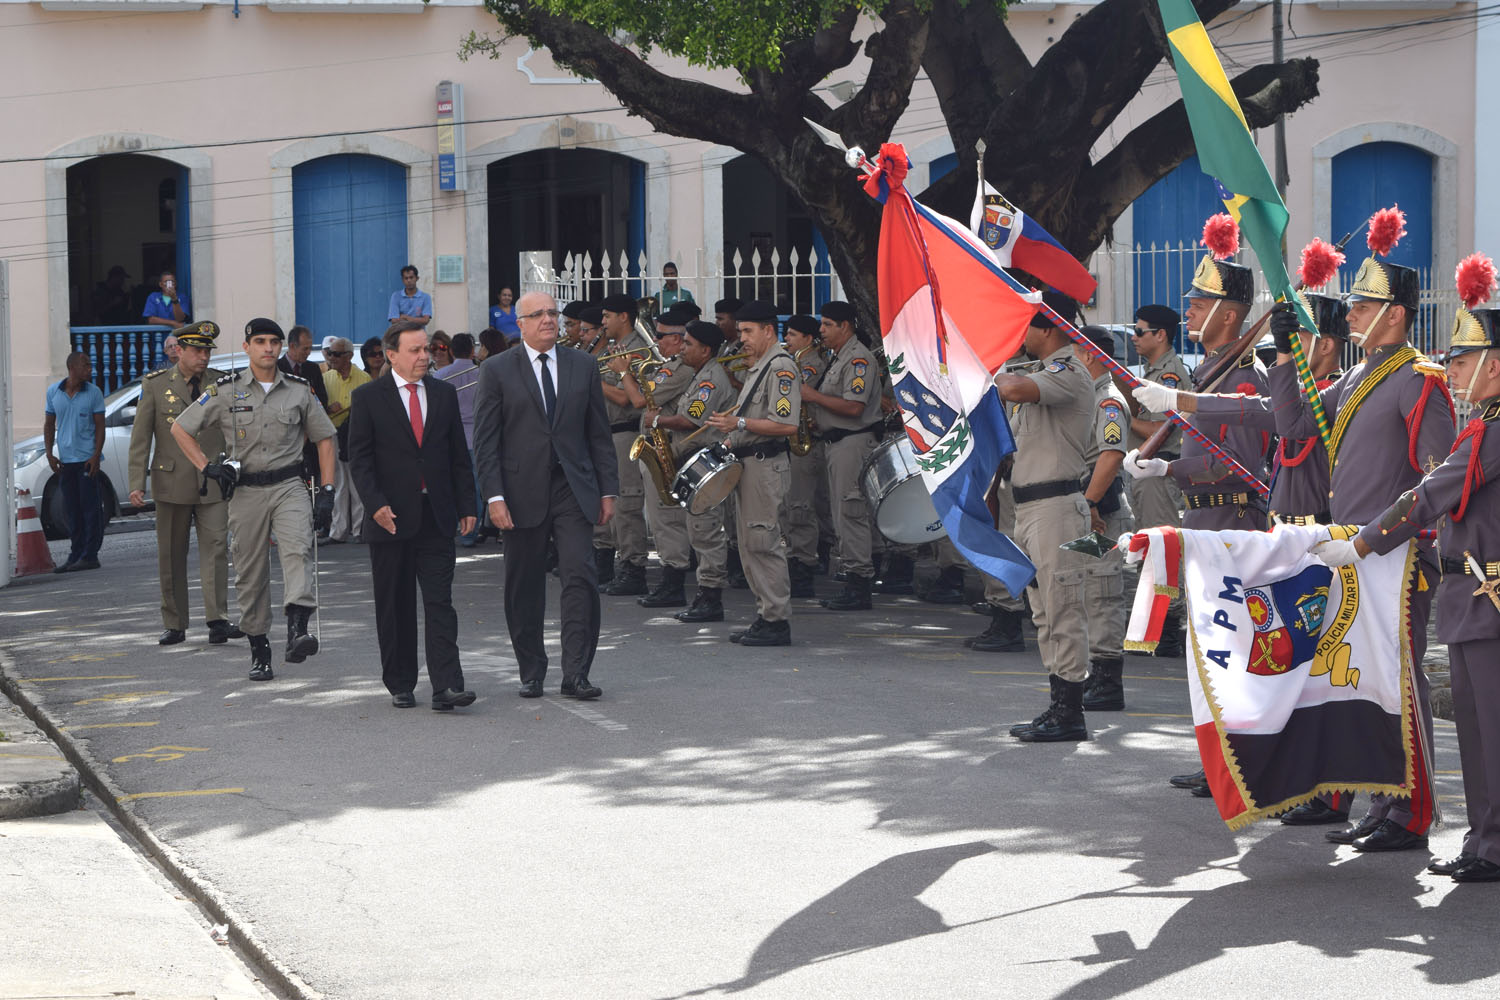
1040 121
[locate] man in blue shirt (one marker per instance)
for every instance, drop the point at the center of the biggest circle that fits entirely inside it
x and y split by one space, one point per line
410 303
75 424
166 306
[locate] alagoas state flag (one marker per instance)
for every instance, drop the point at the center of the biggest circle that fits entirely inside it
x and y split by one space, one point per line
1300 675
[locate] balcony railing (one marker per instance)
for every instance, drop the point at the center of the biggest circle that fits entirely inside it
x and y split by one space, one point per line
121 354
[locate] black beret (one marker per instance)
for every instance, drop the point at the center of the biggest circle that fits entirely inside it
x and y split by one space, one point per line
620 304
707 334
1159 317
262 325
839 312
1102 336
675 316
758 311
691 310
592 315
574 309
1060 303
803 323
730 306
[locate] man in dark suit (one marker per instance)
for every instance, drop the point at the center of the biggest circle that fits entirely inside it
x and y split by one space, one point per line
547 468
410 463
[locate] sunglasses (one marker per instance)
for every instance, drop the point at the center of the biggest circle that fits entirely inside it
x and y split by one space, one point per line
337 354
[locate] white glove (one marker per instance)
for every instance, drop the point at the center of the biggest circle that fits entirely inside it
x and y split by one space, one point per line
1144 468
1132 555
1155 397
1336 552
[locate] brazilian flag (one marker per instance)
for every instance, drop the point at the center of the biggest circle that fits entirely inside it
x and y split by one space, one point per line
1225 147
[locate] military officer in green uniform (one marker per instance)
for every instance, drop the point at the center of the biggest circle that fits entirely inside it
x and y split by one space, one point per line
266 414
175 487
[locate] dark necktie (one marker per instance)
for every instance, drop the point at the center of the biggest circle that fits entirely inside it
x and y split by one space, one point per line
549 394
193 387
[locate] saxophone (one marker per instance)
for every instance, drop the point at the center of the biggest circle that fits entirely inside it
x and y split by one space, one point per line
653 449
802 442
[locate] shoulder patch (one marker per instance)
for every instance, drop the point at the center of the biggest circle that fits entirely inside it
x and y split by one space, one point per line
784 380
1170 380
159 371
1058 366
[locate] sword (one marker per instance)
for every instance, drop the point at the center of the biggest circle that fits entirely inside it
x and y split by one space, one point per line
1487 586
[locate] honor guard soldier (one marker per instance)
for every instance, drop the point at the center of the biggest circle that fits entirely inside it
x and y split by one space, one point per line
799 515
849 419
1462 496
180 501
628 527
677 530
764 418
1051 412
1110 515
265 415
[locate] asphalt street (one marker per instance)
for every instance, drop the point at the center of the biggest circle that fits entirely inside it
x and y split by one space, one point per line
841 818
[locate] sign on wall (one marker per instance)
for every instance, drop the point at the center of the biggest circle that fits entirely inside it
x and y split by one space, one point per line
450 136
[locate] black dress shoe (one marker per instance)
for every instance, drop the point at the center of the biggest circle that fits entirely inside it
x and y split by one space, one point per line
1203 792
1350 834
530 689
1314 813
1391 836
1189 781
1452 864
451 698
404 700
1478 870
171 637
580 688
221 631
86 564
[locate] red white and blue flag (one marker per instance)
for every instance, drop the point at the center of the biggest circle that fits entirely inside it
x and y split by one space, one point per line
950 317
1018 241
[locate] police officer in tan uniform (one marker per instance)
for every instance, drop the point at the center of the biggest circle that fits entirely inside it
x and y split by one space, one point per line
1157 501
679 532
1051 413
849 419
266 414
764 418
175 487
664 387
1110 515
628 528
799 514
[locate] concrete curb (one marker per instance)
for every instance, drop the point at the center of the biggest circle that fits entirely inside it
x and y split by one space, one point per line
271 971
35 778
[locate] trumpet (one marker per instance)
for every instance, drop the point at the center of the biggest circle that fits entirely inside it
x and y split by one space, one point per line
624 354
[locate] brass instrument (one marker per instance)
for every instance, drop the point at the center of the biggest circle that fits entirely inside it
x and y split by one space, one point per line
653 449
802 442
735 362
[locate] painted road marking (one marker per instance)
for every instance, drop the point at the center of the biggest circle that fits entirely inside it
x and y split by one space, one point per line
593 715
100 677
900 635
33 756
122 696
180 795
1033 673
160 754
85 658
109 725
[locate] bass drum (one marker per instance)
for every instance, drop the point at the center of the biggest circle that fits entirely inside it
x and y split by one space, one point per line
893 487
707 479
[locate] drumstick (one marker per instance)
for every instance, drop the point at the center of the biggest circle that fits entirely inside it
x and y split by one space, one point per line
695 433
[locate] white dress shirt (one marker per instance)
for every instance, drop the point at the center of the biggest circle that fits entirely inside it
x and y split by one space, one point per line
536 367
405 395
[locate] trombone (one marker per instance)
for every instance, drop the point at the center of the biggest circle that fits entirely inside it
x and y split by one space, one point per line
736 362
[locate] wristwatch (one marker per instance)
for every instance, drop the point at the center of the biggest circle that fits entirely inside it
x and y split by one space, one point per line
740 425
326 487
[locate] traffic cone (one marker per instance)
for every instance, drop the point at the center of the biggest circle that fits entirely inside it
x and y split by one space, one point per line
32 556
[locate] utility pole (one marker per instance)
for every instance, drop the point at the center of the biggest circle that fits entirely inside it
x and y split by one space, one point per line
1280 127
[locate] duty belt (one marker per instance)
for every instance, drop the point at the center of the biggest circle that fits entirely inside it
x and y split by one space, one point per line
1303 519
270 478
839 433
761 449
624 426
1453 567
1198 501
1045 491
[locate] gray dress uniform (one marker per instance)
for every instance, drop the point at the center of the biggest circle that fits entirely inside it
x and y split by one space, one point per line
799 518
679 533
1158 500
853 375
266 430
1052 437
1215 497
165 393
772 391
626 531
1464 493
1104 592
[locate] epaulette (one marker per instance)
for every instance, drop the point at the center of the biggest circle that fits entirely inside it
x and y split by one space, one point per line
1248 361
160 371
294 378
1492 412
227 378
1425 366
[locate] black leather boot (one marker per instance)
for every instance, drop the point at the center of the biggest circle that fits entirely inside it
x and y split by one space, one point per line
801 575
299 645
897 577
1003 635
706 607
1064 723
1171 645
948 588
629 581
604 565
737 571
855 595
221 630
668 593
260 658
1104 691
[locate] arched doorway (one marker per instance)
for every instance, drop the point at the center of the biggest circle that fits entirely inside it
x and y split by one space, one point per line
349 242
761 215
1377 175
568 201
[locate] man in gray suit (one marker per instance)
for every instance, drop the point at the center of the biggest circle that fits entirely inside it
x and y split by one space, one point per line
547 469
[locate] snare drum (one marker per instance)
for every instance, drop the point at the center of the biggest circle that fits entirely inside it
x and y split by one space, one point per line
893 487
707 479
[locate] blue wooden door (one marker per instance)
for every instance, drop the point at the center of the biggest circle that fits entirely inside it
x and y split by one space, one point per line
1378 175
349 240
1167 217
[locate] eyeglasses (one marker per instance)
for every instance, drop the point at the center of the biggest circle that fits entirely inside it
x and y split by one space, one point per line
549 313
337 354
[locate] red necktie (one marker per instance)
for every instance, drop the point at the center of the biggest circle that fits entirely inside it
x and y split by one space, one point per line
416 413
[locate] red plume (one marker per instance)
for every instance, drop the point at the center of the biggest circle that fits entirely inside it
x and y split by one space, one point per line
1475 278
1221 234
1387 226
1320 262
